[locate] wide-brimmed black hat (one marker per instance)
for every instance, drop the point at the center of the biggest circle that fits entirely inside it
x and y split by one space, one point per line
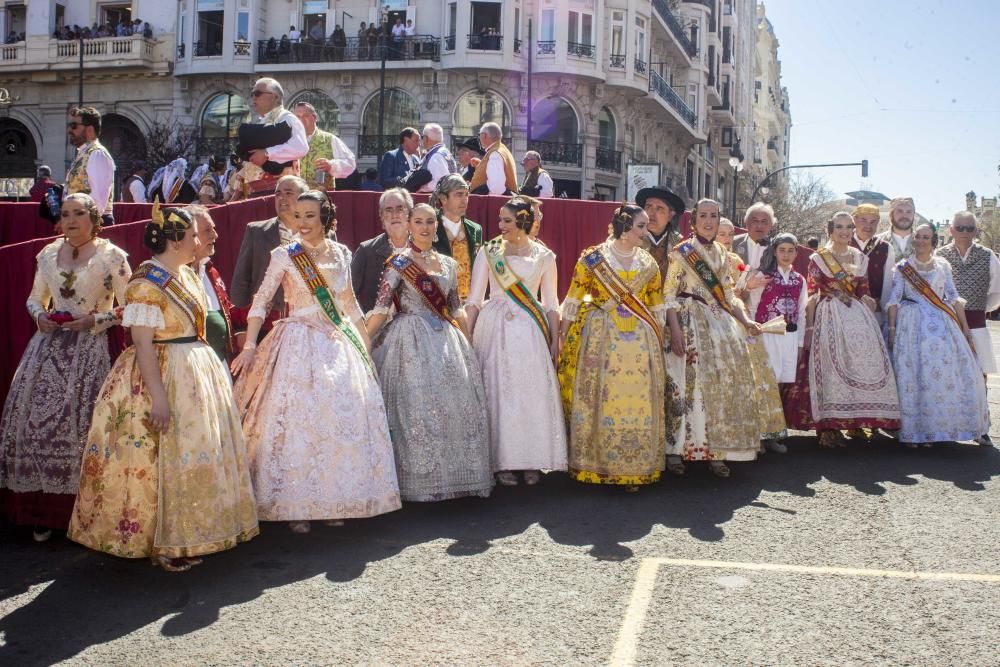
672 200
472 143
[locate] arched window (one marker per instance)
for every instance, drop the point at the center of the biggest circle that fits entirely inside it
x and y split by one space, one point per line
475 108
326 109
554 120
17 150
222 116
401 110
606 130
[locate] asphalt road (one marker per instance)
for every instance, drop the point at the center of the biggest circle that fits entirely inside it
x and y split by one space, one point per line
870 555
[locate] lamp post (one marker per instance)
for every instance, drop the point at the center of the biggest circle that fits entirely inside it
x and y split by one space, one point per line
736 162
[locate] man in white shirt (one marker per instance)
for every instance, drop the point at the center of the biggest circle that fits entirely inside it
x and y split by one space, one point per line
901 215
328 157
134 187
437 158
496 173
93 169
537 182
758 221
294 35
267 102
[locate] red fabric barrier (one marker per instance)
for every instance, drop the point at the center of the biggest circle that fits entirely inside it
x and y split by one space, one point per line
20 222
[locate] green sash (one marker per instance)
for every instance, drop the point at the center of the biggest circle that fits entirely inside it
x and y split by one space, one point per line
513 286
315 281
705 274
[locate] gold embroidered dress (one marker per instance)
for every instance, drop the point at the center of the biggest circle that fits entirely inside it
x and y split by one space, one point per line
711 414
611 375
183 492
48 410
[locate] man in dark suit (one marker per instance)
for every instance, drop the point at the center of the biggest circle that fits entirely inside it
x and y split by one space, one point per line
368 264
259 239
396 164
457 236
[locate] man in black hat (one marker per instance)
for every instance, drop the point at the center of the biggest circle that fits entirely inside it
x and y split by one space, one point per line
469 153
663 207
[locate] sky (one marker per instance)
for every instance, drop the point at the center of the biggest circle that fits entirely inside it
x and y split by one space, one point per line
913 86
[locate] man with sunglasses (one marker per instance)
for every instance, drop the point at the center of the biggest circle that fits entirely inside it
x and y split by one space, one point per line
93 169
976 270
277 140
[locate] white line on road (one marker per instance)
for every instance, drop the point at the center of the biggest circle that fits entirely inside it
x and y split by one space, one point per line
635 613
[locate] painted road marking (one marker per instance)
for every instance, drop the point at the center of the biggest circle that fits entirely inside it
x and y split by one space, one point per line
627 642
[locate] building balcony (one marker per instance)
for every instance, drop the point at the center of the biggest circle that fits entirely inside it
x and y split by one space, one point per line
609 160
485 43
418 47
772 147
577 50
547 48
554 152
13 55
135 50
46 54
617 61
681 39
641 67
669 97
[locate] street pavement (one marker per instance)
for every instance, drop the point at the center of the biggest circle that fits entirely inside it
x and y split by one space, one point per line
870 555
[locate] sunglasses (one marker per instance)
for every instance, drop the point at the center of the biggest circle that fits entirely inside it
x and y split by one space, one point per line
964 228
258 93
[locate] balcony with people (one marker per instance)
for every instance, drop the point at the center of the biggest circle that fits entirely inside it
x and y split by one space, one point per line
126 44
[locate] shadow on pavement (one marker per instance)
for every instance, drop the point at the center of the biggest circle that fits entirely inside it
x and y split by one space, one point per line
94 598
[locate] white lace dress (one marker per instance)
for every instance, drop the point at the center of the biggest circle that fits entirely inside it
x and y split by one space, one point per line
313 414
527 429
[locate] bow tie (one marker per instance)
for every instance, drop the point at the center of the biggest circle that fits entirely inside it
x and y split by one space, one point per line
766 241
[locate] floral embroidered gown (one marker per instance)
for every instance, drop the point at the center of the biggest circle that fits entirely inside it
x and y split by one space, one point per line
941 392
48 410
846 380
181 493
433 390
314 418
527 430
611 375
712 404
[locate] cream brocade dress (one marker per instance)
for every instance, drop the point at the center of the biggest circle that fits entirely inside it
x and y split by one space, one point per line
527 430
611 376
184 492
711 415
313 414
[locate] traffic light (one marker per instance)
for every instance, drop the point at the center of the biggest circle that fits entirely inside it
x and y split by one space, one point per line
864 169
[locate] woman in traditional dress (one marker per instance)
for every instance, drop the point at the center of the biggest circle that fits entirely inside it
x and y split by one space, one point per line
941 393
712 408
430 377
611 368
165 472
851 384
313 416
51 400
516 339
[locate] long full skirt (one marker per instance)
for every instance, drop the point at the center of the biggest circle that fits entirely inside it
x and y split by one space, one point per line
612 389
942 395
851 382
315 426
527 429
45 423
712 406
436 404
183 492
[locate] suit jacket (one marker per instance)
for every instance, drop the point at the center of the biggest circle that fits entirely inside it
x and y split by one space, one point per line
395 165
473 236
367 267
740 246
259 239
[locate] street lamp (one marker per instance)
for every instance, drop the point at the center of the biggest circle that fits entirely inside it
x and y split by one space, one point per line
736 162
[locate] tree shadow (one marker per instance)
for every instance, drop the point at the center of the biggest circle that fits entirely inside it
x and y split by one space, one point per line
90 598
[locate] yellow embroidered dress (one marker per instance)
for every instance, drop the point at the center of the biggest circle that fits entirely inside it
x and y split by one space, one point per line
711 412
183 492
611 375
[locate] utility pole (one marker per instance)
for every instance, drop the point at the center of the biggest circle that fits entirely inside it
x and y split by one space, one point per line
531 53
863 164
381 101
80 91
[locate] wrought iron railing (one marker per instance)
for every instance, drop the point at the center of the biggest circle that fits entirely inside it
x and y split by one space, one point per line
372 144
206 50
180 50
772 145
350 49
581 50
546 48
517 46
609 160
675 26
485 42
640 66
555 152
658 85
241 48
449 43
617 61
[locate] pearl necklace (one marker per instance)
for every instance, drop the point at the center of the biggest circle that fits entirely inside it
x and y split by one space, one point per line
622 254
511 250
923 266
315 253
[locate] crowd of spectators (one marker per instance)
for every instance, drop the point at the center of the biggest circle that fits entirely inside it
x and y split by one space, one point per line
96 31
14 37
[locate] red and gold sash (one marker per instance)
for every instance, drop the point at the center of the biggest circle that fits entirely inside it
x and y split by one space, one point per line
597 264
705 273
424 285
176 292
842 278
910 273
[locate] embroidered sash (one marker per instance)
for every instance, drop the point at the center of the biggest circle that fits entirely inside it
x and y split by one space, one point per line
316 283
597 264
841 277
910 273
176 292
705 273
515 289
424 285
